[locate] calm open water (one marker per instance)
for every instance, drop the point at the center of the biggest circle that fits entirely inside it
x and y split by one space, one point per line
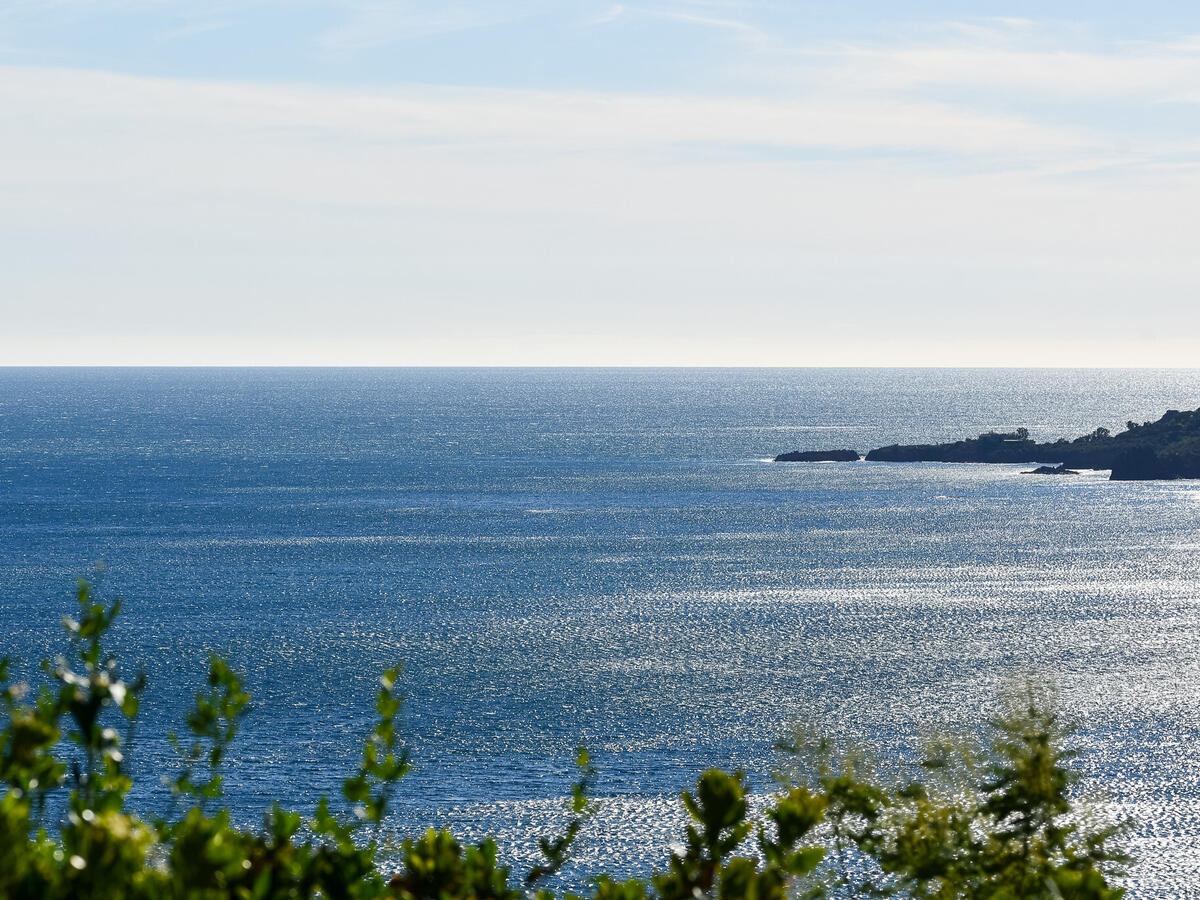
605 557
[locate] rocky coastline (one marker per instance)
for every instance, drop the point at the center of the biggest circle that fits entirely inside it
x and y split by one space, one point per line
1164 449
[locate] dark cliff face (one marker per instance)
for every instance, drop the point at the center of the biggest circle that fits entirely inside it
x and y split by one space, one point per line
1168 448
1138 465
1145 463
819 456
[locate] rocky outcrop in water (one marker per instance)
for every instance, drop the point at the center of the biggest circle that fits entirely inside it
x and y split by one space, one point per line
1051 470
819 456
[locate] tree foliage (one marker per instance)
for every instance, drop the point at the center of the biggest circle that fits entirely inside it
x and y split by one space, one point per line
995 824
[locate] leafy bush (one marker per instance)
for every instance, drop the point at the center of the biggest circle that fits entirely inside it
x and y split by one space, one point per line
997 823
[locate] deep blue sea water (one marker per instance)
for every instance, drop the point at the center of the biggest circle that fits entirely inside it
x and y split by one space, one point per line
606 557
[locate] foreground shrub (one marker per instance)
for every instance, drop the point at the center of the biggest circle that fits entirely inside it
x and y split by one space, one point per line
998 823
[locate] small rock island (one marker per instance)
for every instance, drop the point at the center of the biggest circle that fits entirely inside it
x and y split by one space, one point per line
819 456
1167 448
1052 470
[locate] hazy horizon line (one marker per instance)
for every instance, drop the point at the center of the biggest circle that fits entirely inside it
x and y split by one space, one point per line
575 366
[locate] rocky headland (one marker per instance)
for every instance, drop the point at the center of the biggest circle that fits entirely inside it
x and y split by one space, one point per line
1166 448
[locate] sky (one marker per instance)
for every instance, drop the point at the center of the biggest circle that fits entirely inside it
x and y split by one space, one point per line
520 182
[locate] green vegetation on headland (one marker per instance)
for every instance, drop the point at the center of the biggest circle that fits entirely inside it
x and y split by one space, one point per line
1168 448
998 821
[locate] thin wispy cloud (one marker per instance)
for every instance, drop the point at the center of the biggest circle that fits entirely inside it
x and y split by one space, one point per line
1161 73
375 24
702 16
193 29
572 123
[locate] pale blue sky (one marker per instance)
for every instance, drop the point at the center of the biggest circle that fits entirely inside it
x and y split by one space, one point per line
704 181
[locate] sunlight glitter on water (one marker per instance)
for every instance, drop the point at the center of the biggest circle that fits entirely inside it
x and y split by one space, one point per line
656 593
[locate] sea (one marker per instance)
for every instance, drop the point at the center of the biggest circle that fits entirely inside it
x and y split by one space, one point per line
609 558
